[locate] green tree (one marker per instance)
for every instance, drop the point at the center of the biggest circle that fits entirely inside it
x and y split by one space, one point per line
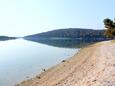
110 25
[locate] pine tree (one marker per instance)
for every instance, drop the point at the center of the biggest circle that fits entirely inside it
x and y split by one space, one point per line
110 25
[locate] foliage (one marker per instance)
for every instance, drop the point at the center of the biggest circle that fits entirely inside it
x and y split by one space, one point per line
110 25
76 33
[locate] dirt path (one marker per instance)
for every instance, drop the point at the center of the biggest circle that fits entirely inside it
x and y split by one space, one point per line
93 66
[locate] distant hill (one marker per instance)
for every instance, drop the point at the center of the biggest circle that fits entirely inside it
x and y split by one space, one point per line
82 34
4 38
68 38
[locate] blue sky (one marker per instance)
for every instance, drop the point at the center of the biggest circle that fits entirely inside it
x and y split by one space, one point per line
24 17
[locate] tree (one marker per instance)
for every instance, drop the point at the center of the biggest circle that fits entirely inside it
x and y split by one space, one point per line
110 25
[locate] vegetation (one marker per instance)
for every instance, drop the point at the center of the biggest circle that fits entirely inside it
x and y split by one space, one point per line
110 25
68 37
72 33
4 38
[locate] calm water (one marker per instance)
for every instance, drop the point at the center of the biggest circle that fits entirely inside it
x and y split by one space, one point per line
20 59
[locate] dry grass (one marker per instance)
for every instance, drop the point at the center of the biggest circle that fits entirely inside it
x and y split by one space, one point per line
112 41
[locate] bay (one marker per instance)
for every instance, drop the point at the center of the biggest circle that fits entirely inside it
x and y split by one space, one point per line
21 59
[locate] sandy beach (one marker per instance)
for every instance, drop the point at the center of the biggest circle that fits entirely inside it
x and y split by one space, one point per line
93 66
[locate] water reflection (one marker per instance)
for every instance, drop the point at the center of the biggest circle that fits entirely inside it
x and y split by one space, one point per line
62 42
20 59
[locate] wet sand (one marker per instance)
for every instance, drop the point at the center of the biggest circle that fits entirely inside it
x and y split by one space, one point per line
93 66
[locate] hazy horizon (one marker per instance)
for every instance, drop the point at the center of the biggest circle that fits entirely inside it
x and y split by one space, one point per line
25 17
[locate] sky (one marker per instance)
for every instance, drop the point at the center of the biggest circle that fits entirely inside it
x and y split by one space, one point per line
25 17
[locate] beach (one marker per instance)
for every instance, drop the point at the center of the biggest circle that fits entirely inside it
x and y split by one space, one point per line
94 65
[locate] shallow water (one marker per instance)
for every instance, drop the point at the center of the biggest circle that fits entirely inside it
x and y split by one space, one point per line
21 59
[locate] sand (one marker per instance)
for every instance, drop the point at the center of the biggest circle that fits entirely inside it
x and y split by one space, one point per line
93 66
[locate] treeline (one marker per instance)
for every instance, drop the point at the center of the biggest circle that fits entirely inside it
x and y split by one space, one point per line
4 38
110 25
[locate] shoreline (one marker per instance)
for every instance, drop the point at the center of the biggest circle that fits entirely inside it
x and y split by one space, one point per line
83 69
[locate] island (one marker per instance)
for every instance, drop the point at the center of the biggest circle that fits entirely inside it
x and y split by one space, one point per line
4 38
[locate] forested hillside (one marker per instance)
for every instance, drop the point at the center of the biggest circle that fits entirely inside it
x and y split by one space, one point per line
71 33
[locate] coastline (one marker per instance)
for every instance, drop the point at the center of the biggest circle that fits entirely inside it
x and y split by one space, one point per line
93 66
